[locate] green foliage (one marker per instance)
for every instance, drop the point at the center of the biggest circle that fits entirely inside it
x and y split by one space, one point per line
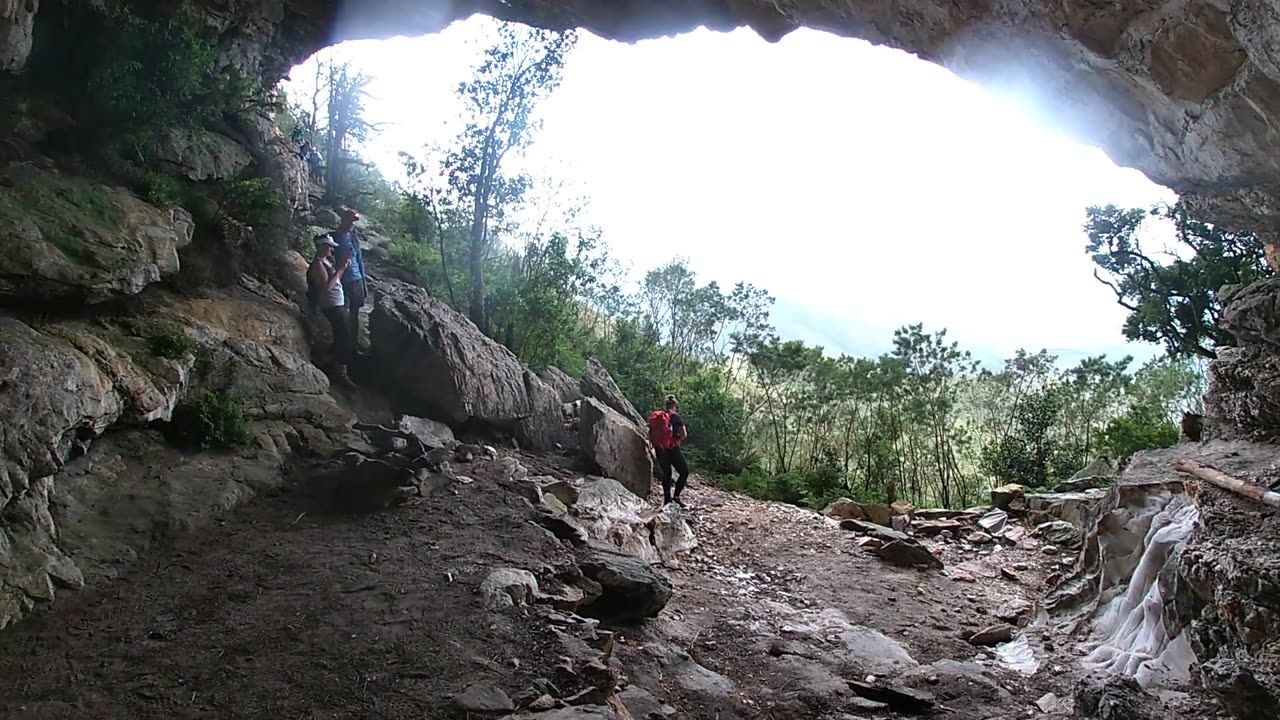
251 201
157 188
1171 296
535 308
153 74
414 258
1139 428
166 342
517 72
1026 454
215 420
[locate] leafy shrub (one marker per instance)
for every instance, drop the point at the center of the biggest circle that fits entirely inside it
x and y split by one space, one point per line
156 188
215 420
413 257
1138 429
168 343
251 201
153 75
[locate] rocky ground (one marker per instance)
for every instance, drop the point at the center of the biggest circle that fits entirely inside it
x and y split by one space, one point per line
281 610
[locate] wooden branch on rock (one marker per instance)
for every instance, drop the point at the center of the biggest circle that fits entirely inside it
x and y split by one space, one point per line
1220 479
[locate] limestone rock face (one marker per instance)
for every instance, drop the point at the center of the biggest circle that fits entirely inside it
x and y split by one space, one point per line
84 488
1252 314
17 20
79 403
1243 395
617 446
72 239
439 359
208 156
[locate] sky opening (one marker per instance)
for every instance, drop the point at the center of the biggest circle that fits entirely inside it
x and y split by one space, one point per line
863 187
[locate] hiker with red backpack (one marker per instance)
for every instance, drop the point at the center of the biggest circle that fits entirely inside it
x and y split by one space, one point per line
667 432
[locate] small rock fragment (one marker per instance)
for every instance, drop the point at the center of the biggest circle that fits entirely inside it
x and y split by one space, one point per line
484 698
1048 703
993 635
898 699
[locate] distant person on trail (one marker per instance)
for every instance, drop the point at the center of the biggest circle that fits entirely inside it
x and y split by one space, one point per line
314 161
667 432
324 289
355 283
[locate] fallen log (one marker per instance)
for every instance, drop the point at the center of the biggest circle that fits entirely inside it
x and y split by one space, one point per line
1220 479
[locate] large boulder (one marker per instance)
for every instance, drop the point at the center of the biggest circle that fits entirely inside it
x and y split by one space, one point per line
844 509
1077 508
610 513
598 383
1005 495
631 590
71 239
617 446
437 359
566 387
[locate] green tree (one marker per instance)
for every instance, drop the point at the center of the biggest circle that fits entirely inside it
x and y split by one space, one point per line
1171 293
518 71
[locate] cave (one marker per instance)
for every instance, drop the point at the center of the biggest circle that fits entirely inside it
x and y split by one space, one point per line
1187 92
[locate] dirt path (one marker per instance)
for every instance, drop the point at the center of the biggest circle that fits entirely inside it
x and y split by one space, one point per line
273 615
778 599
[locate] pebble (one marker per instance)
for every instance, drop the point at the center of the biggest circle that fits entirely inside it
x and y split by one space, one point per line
1049 550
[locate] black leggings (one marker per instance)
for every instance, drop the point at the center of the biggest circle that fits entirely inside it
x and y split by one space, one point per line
341 326
669 459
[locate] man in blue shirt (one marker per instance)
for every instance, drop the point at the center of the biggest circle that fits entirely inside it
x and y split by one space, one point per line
355 283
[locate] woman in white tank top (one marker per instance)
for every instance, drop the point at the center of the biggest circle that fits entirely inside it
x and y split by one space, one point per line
325 281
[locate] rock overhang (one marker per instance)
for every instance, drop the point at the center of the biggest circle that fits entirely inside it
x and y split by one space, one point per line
1186 91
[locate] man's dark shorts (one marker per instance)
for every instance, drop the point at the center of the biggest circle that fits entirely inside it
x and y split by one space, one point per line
355 293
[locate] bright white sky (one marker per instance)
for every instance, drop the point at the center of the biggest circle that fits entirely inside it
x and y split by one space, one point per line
864 188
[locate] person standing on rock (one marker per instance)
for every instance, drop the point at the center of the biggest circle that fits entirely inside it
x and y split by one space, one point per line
355 283
324 285
667 432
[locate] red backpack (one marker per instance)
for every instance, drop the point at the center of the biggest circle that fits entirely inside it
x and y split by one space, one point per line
660 429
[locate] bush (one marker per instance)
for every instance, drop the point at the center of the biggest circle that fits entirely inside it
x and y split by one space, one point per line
251 201
414 258
1138 429
814 489
153 75
155 187
718 425
215 420
167 343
